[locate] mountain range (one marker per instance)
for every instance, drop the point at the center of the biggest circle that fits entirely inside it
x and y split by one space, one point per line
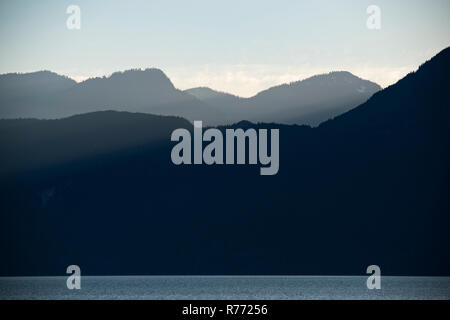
46 95
367 187
310 101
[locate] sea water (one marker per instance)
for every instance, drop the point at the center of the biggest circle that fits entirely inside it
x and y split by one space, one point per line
225 287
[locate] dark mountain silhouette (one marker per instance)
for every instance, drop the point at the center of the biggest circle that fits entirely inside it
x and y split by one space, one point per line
48 96
368 187
54 142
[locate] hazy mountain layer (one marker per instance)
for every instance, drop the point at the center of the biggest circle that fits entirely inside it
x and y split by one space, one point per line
46 95
310 101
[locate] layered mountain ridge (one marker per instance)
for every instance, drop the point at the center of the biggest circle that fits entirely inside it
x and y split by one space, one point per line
45 95
367 187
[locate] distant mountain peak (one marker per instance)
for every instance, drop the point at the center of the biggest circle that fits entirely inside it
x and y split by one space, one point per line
344 76
40 75
21 85
149 75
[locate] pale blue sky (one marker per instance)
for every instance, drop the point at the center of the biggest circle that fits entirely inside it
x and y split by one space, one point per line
236 46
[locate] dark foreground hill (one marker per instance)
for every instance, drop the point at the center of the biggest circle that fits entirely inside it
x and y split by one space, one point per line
369 187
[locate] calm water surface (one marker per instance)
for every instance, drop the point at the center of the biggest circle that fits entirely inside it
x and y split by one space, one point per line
225 287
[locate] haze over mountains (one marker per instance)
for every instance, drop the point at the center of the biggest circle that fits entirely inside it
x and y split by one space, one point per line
46 95
368 187
310 101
